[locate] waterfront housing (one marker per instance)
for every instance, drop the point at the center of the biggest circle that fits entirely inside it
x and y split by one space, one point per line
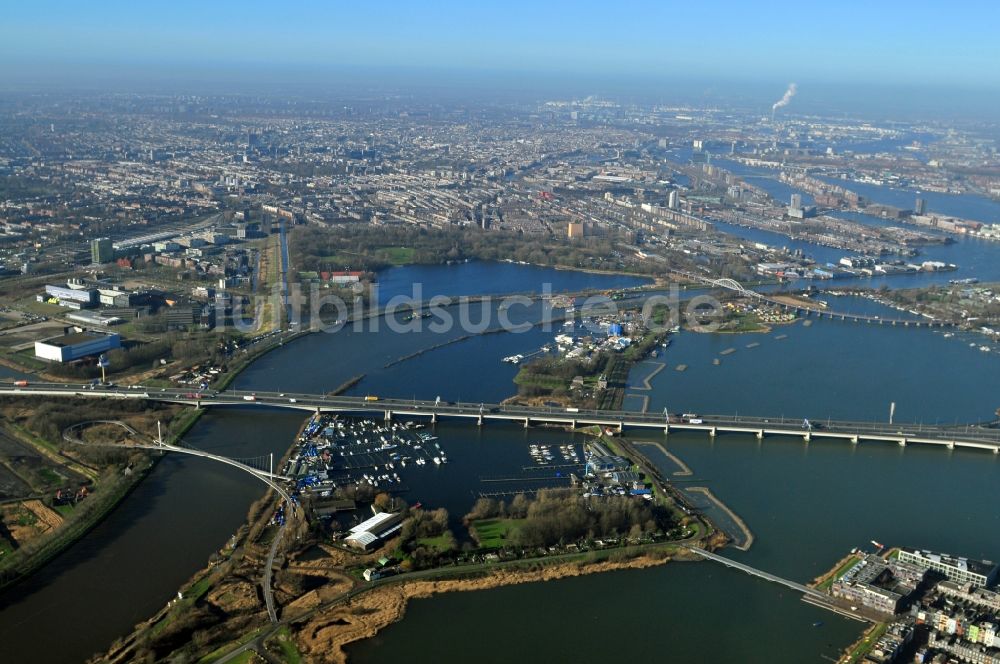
943 607
981 573
879 584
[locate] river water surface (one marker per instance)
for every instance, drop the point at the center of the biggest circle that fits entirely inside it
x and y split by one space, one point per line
806 503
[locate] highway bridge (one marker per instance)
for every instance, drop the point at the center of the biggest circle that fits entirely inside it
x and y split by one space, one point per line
71 434
970 436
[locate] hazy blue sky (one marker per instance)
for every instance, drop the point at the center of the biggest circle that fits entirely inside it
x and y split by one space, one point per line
844 40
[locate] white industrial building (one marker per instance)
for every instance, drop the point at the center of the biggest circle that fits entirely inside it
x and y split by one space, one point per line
73 346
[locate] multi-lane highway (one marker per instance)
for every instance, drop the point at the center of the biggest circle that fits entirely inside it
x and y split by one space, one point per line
972 436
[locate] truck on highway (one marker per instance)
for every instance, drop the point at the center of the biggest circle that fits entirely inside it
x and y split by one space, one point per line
20 383
371 397
249 397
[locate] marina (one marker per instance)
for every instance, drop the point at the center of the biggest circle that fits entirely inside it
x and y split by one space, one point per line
333 451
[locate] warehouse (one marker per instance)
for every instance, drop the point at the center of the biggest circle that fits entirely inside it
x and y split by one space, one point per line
71 347
367 534
84 296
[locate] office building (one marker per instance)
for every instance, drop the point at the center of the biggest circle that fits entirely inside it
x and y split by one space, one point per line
101 251
920 207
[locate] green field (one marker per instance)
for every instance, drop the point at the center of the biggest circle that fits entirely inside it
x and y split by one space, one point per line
397 255
439 543
286 646
493 533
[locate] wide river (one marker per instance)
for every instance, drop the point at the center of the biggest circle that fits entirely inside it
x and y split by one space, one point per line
806 503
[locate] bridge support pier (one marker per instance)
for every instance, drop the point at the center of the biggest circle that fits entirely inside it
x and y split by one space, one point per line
621 427
388 416
479 420
902 442
527 422
996 450
854 440
666 429
760 435
573 424
951 444
197 404
807 436
712 432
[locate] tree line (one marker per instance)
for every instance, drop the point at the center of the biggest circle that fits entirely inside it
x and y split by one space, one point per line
365 248
563 516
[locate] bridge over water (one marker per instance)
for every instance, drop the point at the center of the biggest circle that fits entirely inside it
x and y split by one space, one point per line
71 435
761 574
971 436
805 308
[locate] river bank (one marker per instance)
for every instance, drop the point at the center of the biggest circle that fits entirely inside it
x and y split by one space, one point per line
323 637
100 504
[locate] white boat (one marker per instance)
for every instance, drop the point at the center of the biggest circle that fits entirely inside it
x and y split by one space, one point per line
437 460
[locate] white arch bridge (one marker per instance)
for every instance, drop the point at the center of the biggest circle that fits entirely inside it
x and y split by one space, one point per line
140 441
